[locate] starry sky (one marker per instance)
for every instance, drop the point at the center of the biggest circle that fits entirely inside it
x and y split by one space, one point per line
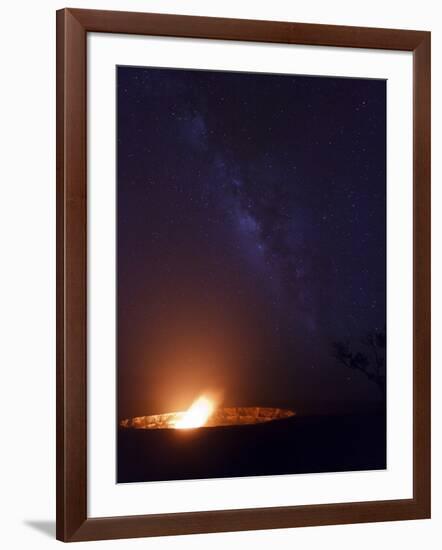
251 234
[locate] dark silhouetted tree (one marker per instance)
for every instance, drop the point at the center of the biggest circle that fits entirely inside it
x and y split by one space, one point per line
370 361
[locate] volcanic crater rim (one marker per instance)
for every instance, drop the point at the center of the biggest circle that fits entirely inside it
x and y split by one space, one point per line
225 416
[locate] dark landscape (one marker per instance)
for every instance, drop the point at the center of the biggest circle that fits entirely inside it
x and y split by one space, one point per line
301 444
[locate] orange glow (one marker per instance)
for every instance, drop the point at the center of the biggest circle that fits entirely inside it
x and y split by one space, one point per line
197 414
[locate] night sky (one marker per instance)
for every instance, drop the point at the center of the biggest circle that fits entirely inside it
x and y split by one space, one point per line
251 235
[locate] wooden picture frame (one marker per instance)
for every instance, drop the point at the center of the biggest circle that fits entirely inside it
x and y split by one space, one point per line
73 523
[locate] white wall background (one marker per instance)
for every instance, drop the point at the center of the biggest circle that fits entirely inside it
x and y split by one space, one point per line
27 271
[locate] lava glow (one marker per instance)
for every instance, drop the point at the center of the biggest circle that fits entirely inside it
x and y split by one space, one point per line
197 415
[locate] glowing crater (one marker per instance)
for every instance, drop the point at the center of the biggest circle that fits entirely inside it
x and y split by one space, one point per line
203 414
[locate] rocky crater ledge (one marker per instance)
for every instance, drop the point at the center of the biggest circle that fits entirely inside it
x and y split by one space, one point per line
228 416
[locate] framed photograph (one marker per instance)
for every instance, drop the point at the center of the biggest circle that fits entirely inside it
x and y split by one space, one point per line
243 274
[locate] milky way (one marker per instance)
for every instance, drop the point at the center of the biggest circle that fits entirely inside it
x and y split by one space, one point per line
251 208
